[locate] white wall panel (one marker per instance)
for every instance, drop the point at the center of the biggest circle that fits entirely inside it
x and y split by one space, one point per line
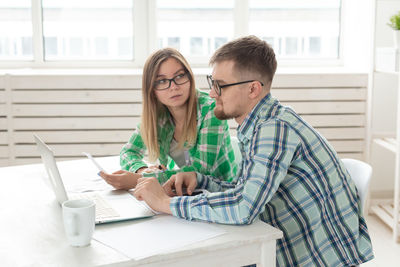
35 124
76 96
313 94
3 138
78 110
97 113
78 82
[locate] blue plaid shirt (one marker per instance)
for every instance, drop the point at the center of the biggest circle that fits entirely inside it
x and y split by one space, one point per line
291 178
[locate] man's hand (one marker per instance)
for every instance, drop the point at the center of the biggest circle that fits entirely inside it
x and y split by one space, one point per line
174 185
121 179
150 190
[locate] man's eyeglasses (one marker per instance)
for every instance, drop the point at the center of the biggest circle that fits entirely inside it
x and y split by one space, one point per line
164 84
214 84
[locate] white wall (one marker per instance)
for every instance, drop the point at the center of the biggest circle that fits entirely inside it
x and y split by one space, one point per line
384 103
357 27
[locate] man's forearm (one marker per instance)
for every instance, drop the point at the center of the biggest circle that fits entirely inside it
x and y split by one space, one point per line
212 184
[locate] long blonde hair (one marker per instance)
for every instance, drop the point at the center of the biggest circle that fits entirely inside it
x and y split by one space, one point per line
153 110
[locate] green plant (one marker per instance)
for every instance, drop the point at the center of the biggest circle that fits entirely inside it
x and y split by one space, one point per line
395 22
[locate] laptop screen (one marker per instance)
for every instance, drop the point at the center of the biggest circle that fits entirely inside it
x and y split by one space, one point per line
50 165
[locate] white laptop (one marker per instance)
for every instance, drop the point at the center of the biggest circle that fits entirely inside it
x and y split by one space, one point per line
111 205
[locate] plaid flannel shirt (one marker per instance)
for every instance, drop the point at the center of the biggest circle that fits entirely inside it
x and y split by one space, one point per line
212 153
290 177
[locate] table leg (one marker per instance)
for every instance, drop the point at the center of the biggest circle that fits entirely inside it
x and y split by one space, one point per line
268 254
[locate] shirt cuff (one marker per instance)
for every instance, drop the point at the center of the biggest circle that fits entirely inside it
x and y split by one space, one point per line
137 166
180 207
201 181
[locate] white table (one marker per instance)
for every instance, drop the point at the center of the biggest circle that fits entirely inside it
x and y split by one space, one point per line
32 234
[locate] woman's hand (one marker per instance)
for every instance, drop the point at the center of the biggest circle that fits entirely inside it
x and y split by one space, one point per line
121 179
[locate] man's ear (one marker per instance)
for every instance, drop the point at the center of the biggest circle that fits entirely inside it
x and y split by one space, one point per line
255 90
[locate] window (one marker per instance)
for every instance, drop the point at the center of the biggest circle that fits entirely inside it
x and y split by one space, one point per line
125 46
219 41
174 42
88 30
202 26
196 46
76 46
27 46
311 23
51 45
291 46
124 32
315 46
16 30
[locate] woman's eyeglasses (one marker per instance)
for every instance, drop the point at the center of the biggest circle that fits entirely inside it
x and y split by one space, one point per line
164 84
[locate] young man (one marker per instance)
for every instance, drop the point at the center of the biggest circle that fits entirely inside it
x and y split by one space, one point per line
290 176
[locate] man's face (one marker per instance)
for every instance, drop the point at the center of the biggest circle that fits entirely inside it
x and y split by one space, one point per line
233 99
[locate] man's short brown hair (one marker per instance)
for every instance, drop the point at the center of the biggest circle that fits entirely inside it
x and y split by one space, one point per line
252 57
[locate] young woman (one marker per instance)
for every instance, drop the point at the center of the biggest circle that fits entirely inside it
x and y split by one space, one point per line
178 127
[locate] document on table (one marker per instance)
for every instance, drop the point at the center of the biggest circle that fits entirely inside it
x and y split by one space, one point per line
153 236
82 178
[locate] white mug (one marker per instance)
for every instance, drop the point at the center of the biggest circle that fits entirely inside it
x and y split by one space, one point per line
79 219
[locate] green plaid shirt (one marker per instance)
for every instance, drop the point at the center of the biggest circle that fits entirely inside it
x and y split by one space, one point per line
211 155
290 177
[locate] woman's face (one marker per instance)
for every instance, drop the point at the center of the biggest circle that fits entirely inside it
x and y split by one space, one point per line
176 95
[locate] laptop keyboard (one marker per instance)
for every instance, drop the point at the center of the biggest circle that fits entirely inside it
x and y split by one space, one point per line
103 209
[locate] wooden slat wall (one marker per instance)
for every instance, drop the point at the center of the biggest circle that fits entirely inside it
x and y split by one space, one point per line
97 113
74 113
335 104
4 160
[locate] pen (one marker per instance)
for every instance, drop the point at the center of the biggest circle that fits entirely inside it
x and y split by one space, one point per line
94 161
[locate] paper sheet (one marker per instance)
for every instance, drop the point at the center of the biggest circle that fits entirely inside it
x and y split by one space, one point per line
82 177
159 234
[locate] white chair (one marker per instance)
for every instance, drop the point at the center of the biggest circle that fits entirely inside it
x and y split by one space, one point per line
236 149
361 173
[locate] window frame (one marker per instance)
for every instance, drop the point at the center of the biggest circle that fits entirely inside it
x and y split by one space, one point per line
145 41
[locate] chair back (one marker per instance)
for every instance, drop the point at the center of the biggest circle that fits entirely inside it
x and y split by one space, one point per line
360 173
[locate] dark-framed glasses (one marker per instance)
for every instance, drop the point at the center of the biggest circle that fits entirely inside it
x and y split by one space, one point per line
215 85
164 84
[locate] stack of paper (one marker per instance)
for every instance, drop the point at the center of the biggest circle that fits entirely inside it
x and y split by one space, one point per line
149 237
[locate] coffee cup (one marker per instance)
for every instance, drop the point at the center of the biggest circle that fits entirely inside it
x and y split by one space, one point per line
79 220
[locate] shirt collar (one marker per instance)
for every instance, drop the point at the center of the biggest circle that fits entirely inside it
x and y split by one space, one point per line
165 119
263 109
